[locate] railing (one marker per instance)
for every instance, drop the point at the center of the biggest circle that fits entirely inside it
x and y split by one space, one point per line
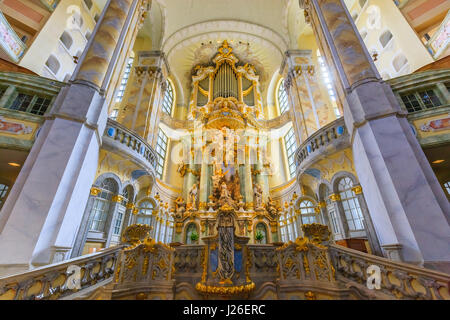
60 280
440 40
398 280
331 137
131 141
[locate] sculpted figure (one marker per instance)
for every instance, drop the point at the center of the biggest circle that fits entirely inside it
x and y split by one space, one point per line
257 196
271 207
180 207
193 194
225 197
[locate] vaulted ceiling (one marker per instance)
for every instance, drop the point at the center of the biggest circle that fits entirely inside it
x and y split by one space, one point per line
190 31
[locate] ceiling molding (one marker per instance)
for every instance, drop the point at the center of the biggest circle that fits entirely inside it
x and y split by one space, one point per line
205 31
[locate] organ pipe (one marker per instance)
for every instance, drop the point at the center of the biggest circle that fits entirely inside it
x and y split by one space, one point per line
225 82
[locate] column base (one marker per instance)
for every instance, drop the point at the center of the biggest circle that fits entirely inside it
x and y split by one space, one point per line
393 251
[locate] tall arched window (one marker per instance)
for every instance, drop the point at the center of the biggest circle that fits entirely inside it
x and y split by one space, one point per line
350 203
282 97
161 148
307 212
168 99
334 218
283 229
101 205
145 212
123 83
291 146
3 192
170 230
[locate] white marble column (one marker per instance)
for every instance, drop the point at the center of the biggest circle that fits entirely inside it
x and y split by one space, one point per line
406 203
44 210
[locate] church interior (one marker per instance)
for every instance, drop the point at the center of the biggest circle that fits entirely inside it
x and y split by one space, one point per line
206 149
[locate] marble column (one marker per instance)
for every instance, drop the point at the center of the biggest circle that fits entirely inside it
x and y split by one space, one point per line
248 177
407 205
203 187
42 213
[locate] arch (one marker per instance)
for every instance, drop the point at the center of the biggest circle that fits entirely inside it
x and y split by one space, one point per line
107 175
339 175
263 228
307 210
189 229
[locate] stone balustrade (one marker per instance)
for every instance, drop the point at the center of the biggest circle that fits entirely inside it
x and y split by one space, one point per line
325 141
398 280
307 268
118 137
60 280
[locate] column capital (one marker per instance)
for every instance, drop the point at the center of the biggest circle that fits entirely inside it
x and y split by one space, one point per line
95 191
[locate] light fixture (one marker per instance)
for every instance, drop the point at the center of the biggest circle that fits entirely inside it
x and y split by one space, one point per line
14 164
438 161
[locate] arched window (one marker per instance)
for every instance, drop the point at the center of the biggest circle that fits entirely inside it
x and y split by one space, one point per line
354 15
326 76
191 228
53 64
161 149
168 99
350 203
334 218
261 229
307 212
446 185
3 192
399 62
283 229
66 39
170 230
282 97
385 38
291 146
101 205
362 3
123 83
145 212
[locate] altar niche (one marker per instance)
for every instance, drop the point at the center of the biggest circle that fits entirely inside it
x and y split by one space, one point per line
225 273
225 165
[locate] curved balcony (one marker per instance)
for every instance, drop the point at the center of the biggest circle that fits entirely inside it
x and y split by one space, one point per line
124 141
325 141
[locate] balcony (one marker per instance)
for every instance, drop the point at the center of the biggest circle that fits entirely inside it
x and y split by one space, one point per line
325 141
24 99
129 145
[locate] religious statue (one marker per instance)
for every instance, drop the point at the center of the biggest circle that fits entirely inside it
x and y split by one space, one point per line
181 168
193 195
257 196
272 208
180 207
225 197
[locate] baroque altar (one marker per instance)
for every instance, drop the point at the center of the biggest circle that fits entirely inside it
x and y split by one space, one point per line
225 161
